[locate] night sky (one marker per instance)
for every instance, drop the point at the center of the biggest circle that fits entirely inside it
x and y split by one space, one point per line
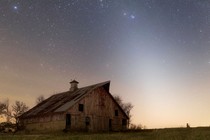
155 52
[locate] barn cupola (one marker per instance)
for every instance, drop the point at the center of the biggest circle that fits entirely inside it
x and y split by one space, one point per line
74 85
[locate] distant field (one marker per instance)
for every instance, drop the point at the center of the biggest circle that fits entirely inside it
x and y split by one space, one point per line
159 134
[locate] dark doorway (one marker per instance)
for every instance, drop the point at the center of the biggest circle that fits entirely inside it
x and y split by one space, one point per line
68 121
87 123
110 124
124 124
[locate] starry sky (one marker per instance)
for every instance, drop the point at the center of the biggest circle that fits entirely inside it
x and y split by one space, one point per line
155 52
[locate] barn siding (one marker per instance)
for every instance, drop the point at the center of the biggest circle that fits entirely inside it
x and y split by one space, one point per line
100 107
46 126
50 123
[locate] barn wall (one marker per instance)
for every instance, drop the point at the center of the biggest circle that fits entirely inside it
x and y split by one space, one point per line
100 108
46 126
48 123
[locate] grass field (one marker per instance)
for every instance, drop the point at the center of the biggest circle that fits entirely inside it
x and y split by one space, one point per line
158 134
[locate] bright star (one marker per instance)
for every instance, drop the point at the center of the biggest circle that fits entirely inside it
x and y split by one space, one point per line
15 7
132 17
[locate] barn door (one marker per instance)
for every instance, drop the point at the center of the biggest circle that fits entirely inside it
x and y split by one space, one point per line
110 124
68 121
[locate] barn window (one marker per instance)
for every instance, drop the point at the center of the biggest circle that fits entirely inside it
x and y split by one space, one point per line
116 112
124 122
87 121
81 107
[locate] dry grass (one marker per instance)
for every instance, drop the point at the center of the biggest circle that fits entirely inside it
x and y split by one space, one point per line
159 134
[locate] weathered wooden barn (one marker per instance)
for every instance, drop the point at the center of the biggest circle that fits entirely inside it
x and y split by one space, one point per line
90 108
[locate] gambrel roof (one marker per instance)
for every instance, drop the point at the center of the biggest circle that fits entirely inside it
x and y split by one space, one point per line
61 102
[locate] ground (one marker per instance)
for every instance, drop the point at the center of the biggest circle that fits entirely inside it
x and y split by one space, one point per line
157 134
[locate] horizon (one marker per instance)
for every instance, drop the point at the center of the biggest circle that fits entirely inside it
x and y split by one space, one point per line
156 54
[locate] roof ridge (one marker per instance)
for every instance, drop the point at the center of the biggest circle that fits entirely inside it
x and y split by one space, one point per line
69 97
82 88
96 84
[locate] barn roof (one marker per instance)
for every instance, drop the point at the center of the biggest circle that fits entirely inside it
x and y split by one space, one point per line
61 102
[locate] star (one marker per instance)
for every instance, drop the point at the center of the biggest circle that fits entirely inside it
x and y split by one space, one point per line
128 15
132 17
41 64
15 7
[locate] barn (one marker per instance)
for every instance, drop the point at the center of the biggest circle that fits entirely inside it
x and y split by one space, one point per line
90 109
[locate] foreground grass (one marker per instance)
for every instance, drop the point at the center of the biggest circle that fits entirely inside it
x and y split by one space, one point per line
159 134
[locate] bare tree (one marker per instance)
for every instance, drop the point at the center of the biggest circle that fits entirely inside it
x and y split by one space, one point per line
2 109
40 99
18 109
127 107
8 112
119 100
5 111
